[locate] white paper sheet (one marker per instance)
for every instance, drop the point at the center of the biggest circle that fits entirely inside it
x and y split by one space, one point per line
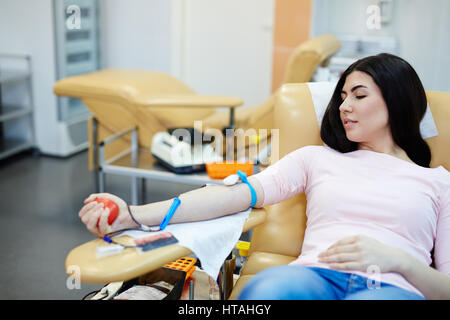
210 240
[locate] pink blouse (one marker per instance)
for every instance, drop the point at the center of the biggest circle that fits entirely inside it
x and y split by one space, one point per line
364 192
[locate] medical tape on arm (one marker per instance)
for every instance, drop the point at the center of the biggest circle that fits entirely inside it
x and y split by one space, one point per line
233 179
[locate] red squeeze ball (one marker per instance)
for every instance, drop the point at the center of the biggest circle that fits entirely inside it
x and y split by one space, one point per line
113 209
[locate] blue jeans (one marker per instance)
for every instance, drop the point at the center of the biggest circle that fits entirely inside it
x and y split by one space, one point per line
312 283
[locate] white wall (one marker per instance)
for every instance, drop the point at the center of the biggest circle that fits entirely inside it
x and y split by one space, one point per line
136 34
420 27
224 47
423 30
26 27
214 46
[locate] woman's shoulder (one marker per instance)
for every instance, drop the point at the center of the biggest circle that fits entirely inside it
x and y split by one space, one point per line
307 152
312 149
308 155
439 175
312 152
441 171
443 175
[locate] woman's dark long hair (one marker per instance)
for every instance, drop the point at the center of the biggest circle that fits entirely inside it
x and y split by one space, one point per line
406 102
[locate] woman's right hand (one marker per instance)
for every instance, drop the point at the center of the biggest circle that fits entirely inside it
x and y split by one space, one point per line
92 211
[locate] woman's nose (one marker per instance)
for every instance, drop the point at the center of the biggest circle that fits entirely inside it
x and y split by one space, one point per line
345 107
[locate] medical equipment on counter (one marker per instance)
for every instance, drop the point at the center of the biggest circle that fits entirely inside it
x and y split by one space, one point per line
222 170
180 156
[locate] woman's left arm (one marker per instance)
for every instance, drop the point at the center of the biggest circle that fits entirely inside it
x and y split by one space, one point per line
433 284
361 252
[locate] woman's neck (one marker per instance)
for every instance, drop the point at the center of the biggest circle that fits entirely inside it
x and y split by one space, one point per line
392 150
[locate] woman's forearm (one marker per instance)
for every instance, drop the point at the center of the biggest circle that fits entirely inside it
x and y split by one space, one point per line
433 284
201 204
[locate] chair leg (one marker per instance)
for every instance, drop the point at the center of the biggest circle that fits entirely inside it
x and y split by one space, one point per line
134 191
143 197
191 290
95 154
226 277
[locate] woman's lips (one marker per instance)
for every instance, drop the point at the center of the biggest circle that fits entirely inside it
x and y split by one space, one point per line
349 123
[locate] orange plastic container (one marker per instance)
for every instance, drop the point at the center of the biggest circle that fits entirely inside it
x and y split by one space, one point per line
224 169
184 264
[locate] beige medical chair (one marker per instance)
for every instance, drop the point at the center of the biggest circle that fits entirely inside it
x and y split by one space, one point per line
121 99
278 230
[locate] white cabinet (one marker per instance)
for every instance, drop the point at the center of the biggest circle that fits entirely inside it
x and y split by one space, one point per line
76 36
77 52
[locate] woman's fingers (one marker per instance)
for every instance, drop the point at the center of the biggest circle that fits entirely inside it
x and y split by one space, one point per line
341 249
94 196
92 218
352 265
340 257
86 212
103 222
344 261
86 208
345 241
92 211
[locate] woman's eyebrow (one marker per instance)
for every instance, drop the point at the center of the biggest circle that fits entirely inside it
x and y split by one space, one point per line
354 88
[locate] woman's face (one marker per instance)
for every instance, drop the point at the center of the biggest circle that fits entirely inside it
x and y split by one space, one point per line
363 111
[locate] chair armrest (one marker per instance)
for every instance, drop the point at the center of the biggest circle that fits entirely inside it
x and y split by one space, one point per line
131 263
187 100
255 218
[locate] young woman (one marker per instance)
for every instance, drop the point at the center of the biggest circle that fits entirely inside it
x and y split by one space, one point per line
374 206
